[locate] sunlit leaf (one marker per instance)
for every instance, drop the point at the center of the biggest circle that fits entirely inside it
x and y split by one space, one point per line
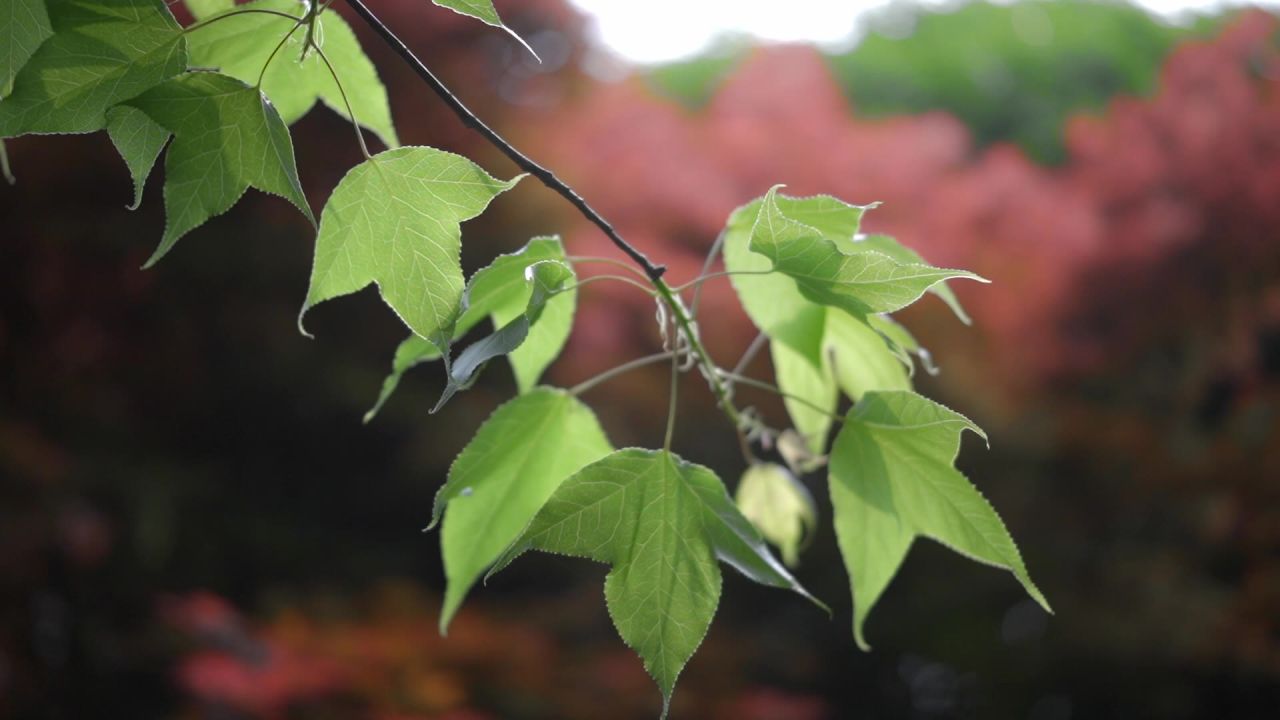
201 9
546 279
903 254
892 479
227 138
239 46
808 380
102 52
394 221
139 140
483 11
25 26
661 523
779 506
505 474
861 358
860 283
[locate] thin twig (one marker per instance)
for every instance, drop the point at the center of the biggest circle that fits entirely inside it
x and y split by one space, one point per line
611 373
276 51
250 11
671 401
750 354
468 118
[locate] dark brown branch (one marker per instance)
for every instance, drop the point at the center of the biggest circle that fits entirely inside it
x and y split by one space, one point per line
545 176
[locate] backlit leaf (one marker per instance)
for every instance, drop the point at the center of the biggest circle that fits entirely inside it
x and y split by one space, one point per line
239 46
483 11
201 9
903 254
394 221
779 506
661 523
25 25
546 279
102 52
505 474
892 479
861 358
227 138
139 140
860 283
500 291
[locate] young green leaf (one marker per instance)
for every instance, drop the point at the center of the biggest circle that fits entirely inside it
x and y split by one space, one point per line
892 479
102 53
394 220
139 140
779 506
204 9
26 26
227 138
808 377
661 523
505 474
903 254
500 291
861 357
295 80
861 283
483 11
546 278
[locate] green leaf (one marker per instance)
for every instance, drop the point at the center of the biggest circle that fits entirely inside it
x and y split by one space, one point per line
903 254
807 376
394 220
239 46
500 291
202 9
546 278
227 138
861 283
893 479
483 11
411 352
25 27
505 474
139 140
102 53
861 357
661 523
779 506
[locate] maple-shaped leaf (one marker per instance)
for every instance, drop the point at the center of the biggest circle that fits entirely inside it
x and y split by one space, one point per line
296 78
500 291
394 220
516 460
203 9
102 53
226 139
662 523
546 279
780 506
26 25
483 11
861 282
139 140
903 254
892 478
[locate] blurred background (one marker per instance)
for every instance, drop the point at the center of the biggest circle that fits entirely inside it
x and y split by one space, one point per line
194 523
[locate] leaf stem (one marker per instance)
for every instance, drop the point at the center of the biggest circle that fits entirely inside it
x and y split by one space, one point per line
351 113
588 259
5 170
620 278
276 51
697 282
706 267
468 118
770 387
248 11
613 372
671 401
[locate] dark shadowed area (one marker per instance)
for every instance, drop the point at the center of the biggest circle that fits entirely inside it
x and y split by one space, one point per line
195 523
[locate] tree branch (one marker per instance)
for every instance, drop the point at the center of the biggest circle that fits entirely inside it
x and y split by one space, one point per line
468 118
